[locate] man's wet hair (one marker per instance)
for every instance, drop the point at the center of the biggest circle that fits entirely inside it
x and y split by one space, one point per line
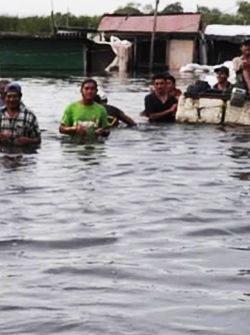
159 76
89 81
245 43
172 78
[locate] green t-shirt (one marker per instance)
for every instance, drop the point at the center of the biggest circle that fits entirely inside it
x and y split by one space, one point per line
95 115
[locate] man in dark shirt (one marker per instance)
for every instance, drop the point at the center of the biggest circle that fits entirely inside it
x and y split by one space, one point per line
171 87
115 115
222 85
160 106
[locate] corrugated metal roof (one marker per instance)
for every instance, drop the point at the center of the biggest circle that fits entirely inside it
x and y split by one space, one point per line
227 30
183 23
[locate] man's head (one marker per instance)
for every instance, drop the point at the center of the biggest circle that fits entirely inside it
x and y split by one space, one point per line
222 73
13 87
12 95
101 97
245 48
170 82
89 90
3 84
159 83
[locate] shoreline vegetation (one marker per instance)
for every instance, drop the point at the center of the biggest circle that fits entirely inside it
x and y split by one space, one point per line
42 25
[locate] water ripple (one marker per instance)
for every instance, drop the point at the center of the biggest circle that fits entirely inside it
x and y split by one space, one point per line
147 233
75 243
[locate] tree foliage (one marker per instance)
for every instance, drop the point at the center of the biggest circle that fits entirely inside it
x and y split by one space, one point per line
215 16
173 8
128 9
244 10
42 24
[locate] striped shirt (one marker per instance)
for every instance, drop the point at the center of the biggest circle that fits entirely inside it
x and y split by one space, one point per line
25 124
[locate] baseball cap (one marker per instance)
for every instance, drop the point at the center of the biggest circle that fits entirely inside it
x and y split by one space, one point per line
102 95
223 69
14 87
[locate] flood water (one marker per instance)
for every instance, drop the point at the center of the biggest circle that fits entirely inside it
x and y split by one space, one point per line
146 234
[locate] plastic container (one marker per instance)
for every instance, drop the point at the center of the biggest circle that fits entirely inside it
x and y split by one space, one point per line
238 97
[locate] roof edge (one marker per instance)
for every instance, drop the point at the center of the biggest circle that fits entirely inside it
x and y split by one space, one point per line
158 14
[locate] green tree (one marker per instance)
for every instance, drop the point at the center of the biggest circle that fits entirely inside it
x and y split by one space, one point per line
173 8
204 10
128 9
210 16
42 24
244 11
214 16
8 23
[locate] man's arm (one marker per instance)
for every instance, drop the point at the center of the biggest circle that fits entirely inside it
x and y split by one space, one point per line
103 129
160 115
104 132
237 64
22 140
5 138
71 130
148 105
126 119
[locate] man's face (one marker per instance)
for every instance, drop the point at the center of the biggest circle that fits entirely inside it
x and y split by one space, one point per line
12 99
89 91
170 85
245 49
221 77
160 86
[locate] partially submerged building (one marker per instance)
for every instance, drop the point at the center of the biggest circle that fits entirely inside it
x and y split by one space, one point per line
223 41
178 38
46 54
69 51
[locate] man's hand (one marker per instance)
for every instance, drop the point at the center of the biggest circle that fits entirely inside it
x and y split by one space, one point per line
5 137
102 132
81 130
246 64
22 140
153 117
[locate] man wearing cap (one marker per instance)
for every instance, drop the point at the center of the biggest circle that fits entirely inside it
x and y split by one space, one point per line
222 84
115 115
18 125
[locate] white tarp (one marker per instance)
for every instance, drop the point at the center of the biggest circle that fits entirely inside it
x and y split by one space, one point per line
227 30
206 72
121 48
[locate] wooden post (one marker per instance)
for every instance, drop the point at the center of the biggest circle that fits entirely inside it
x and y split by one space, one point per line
151 56
85 65
52 19
135 54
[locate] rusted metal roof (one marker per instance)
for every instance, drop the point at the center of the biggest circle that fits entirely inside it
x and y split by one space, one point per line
183 23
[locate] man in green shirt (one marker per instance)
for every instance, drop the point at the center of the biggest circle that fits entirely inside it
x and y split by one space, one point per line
85 120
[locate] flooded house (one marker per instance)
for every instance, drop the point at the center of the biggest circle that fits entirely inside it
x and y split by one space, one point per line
68 51
42 54
178 38
223 41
